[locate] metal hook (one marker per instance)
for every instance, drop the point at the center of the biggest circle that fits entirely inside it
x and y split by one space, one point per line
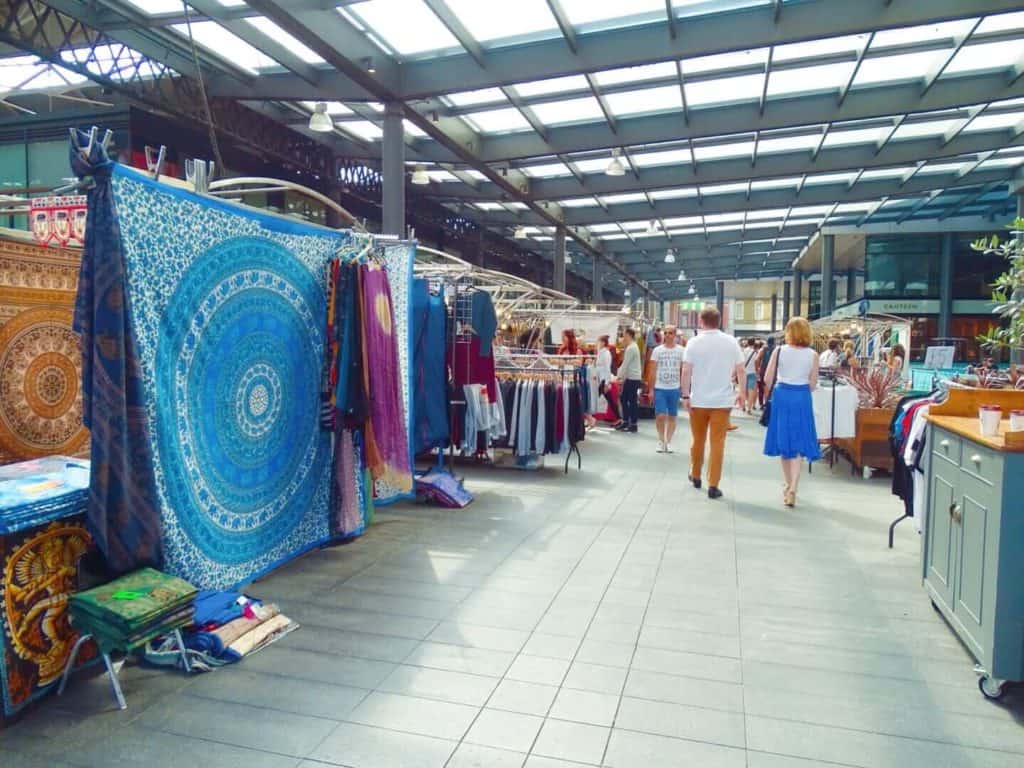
155 165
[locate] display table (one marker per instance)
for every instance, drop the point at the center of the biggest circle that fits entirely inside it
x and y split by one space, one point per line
42 540
971 559
845 412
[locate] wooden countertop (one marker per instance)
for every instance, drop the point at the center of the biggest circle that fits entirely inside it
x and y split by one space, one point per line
968 427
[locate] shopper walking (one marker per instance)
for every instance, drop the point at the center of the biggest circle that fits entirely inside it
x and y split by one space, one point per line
764 354
604 378
631 376
713 361
668 370
792 376
750 378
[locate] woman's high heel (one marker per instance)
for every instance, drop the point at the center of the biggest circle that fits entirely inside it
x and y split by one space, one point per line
790 498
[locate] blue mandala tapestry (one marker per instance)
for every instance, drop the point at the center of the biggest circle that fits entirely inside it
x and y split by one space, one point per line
228 308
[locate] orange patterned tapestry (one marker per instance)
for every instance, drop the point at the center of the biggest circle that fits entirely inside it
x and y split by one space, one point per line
40 357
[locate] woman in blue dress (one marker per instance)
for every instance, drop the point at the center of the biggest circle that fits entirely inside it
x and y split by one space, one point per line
791 377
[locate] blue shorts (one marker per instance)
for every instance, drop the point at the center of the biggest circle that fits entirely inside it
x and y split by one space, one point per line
751 380
666 402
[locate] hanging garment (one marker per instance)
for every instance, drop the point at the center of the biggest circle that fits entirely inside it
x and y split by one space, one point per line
469 366
484 320
350 398
348 519
430 392
387 447
124 513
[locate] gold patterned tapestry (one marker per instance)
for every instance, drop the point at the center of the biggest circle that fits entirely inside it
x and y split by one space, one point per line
40 356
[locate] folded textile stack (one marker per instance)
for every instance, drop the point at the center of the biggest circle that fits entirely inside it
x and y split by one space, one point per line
444 489
133 609
35 492
226 627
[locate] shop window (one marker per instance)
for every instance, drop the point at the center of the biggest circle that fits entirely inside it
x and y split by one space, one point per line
48 163
902 266
759 310
813 300
738 311
974 272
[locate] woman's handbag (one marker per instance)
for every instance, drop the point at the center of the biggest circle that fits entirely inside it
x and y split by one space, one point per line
766 411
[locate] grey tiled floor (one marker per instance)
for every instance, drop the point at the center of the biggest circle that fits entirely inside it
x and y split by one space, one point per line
611 617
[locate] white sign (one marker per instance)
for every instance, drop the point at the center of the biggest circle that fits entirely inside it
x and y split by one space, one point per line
905 306
586 326
939 357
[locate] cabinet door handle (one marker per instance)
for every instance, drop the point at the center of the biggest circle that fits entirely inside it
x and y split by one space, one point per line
954 512
976 458
944 443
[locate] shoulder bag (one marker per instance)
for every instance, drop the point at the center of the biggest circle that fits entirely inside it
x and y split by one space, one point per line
766 412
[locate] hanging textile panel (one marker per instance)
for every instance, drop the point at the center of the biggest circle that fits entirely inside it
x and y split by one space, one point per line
398 261
40 356
228 308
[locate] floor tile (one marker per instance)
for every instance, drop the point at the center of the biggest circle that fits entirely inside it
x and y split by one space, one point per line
359 746
475 636
682 722
476 756
571 741
345 643
457 658
594 677
551 646
628 749
504 730
687 664
585 707
319 667
684 690
425 717
426 683
303 697
519 696
244 726
609 654
536 669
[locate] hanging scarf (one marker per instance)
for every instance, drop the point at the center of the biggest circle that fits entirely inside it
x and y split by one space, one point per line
387 444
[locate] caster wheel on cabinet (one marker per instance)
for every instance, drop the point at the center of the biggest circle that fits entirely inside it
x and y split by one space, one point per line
990 688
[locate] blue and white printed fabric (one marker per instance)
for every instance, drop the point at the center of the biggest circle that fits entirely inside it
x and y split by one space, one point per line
228 307
398 259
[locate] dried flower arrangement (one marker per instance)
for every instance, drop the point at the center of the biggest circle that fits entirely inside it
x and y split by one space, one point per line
877 387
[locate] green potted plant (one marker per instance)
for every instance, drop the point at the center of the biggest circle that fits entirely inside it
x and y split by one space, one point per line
1007 290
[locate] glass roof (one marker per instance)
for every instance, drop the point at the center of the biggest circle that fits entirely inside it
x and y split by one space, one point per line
212 36
493 21
407 26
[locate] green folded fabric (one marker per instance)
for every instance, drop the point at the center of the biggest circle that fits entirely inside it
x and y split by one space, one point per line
133 603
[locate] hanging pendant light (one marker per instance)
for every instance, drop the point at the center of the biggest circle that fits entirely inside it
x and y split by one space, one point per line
568 258
419 175
652 227
682 275
627 293
615 166
520 233
692 290
320 121
670 256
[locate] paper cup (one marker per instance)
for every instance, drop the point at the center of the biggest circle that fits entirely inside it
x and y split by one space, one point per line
989 416
1016 421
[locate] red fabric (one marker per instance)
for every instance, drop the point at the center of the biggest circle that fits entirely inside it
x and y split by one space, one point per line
470 367
611 390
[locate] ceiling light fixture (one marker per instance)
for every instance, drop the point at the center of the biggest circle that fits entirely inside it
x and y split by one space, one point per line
682 275
419 175
367 62
568 258
692 291
670 256
626 293
615 166
652 227
520 233
320 121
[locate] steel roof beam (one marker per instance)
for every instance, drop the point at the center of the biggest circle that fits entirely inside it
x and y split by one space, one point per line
454 25
967 200
562 19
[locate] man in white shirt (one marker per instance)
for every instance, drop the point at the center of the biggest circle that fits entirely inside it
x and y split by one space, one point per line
713 361
830 357
668 369
630 374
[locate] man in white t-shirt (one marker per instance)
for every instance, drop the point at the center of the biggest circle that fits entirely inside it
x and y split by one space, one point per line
667 360
713 361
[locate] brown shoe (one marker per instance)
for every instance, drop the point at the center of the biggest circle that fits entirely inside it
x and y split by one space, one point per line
732 427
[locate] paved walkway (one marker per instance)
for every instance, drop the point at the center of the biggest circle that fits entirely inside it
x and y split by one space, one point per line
611 617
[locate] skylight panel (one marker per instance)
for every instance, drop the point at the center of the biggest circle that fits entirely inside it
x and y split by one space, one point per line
724 90
910 35
775 183
552 85
995 122
636 226
985 56
816 48
824 77
734 60
578 202
722 151
856 136
788 143
443 176
364 129
498 120
636 74
333 107
30 72
767 213
408 26
631 197
278 35
662 99
605 227
489 206
809 210
154 7
674 194
548 170
227 45
595 164
582 12
471 98
413 130
722 218
493 21
683 221
613 236
723 189
665 157
885 173
942 168
831 178
897 68
568 111
1001 22
688 231
919 130
517 206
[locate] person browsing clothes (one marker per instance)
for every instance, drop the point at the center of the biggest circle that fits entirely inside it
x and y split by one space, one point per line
631 376
713 361
668 369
